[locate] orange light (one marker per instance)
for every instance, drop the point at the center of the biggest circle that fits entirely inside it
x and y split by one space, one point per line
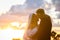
13 31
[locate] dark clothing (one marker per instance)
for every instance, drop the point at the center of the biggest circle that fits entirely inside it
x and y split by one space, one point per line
44 30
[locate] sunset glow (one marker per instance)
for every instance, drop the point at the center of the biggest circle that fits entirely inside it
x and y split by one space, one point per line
13 31
15 16
17 24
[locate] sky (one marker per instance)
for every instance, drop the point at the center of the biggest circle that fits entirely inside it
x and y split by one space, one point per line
15 14
5 5
14 10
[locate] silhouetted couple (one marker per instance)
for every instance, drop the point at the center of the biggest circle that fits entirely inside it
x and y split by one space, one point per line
39 27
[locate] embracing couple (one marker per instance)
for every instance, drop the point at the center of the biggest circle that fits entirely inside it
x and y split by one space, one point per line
39 27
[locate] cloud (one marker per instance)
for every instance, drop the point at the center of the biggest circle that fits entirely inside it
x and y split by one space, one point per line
57 4
34 3
5 5
6 19
28 7
58 16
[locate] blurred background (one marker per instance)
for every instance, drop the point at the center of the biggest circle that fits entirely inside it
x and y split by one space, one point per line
14 16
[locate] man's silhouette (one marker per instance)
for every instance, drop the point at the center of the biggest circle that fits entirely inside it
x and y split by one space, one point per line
44 28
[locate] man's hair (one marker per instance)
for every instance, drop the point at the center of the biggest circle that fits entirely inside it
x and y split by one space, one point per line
40 11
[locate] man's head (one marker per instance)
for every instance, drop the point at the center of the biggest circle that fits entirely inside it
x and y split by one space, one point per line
40 11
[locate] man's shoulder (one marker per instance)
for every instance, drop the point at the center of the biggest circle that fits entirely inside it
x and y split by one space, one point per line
47 16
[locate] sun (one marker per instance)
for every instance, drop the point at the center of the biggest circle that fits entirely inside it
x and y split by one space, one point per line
17 24
14 31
